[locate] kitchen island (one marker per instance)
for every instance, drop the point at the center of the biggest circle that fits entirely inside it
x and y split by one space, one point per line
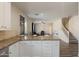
32 46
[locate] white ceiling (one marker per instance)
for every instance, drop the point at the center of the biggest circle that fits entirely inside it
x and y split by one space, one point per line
48 10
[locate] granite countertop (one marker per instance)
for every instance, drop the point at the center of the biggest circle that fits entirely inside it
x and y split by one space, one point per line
7 42
37 38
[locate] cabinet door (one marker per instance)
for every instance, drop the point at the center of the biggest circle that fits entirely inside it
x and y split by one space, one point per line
55 48
30 48
14 50
25 49
47 48
36 49
50 48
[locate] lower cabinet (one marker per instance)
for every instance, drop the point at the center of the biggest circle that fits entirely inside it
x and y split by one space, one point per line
50 48
14 50
25 49
4 52
35 49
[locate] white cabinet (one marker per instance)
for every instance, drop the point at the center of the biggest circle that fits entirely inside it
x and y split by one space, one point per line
50 48
5 15
14 50
35 49
47 49
25 49
39 48
30 49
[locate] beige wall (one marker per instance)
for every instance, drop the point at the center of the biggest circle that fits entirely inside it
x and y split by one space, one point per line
15 24
70 8
57 28
46 26
78 8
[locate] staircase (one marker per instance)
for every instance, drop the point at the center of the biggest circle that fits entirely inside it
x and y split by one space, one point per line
72 49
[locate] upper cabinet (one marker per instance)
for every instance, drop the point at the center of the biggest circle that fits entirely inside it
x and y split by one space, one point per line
5 15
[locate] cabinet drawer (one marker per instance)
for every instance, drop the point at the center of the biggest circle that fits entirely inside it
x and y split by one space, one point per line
25 42
36 42
51 42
